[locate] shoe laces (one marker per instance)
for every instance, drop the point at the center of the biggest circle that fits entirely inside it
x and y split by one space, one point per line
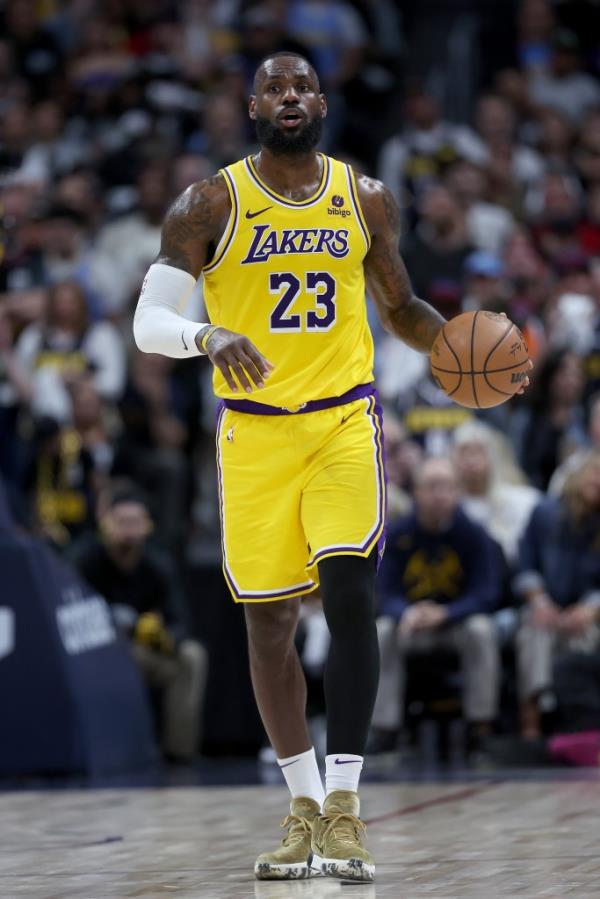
298 826
344 826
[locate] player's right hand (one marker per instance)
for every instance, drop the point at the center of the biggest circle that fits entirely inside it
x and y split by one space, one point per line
234 354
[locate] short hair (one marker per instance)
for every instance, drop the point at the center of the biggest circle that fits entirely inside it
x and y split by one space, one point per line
276 55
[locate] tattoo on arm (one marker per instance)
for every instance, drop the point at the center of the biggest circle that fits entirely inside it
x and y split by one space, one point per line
189 227
402 313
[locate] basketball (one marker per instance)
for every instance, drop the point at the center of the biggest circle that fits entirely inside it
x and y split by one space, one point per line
480 359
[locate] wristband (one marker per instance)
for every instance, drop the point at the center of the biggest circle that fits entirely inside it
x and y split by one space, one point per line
207 333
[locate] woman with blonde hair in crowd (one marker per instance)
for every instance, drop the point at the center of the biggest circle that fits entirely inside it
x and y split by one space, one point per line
494 490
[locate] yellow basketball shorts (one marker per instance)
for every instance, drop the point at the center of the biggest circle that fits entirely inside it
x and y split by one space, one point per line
295 489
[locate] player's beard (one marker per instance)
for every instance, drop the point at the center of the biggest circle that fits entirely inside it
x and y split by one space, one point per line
287 143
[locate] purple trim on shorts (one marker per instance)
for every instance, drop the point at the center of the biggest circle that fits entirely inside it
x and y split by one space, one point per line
375 413
249 406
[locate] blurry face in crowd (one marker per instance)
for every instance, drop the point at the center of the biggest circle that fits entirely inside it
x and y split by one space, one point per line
16 126
467 182
153 192
63 237
67 307
436 493
594 422
126 525
421 111
47 121
439 208
287 107
402 455
556 133
21 18
473 465
495 120
222 120
589 483
536 20
587 156
567 384
560 199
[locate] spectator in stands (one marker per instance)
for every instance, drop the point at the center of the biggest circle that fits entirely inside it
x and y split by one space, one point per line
566 87
141 586
126 246
422 152
155 409
493 490
574 461
59 483
558 579
551 425
511 164
486 286
439 584
58 350
402 459
489 224
435 254
587 152
15 394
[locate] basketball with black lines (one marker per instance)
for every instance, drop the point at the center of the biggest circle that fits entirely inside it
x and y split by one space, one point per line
480 359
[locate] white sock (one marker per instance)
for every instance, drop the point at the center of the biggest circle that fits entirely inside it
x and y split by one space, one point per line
342 772
302 775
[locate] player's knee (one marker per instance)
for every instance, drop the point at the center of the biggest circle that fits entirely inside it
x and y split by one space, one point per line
347 587
271 626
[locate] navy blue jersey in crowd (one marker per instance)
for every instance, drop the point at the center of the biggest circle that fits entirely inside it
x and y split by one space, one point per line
457 567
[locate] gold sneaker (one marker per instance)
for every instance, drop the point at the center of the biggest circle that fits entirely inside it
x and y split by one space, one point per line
290 860
336 845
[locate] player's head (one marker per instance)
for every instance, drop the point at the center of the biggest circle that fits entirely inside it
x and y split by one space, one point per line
287 104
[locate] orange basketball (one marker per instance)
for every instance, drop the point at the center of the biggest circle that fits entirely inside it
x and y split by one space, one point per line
480 359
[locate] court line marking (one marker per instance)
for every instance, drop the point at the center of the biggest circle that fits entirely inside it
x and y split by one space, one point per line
444 799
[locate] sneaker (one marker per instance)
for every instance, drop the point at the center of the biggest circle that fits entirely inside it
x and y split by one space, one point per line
290 860
337 848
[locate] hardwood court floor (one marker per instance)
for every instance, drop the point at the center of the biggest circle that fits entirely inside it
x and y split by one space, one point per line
485 839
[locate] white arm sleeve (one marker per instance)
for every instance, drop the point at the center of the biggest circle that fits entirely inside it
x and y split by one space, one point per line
158 326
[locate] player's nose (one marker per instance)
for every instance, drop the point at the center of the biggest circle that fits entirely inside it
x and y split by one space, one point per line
290 94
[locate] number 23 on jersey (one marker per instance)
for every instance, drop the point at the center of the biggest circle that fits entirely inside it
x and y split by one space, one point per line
288 287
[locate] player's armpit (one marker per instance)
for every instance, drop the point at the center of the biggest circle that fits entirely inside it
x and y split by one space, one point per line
193 224
401 312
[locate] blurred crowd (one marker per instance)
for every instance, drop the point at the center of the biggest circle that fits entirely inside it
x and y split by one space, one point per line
108 110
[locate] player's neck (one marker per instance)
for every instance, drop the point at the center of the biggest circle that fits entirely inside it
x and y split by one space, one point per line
295 177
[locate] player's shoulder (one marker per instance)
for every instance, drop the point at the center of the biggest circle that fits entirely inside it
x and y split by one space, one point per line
207 203
377 202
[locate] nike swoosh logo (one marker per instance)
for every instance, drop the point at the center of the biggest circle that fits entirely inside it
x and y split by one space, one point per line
183 340
252 215
349 762
287 764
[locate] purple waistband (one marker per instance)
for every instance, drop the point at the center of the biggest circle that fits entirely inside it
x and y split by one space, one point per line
249 406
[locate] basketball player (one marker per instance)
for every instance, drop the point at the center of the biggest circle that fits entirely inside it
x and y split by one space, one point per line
286 240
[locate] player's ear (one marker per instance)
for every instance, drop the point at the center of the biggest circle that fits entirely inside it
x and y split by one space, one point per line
323 101
252 107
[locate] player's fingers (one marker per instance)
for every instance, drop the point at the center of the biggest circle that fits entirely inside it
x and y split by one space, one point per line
225 371
254 371
240 373
263 365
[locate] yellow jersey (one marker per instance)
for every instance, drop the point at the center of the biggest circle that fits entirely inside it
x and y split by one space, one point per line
289 275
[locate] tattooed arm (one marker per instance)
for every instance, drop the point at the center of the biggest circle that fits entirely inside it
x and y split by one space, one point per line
192 227
195 221
401 312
